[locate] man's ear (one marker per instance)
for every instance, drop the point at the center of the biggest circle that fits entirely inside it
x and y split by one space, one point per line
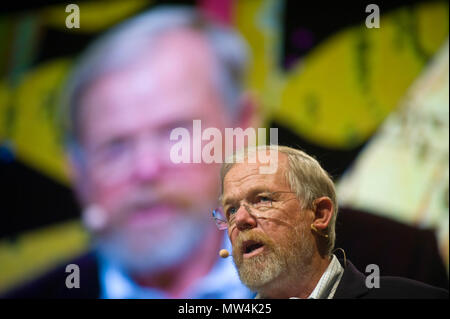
323 212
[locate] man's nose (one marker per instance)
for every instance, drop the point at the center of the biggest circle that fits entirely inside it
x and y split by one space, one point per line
244 219
146 164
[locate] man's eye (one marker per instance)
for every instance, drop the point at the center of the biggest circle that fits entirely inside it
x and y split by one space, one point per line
111 150
231 210
265 199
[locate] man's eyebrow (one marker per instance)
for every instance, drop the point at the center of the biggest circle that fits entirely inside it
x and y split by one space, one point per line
226 200
182 121
250 193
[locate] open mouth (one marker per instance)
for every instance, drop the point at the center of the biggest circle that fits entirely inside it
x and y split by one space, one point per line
251 248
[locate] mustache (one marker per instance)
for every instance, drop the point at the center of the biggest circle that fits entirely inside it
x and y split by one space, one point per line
253 235
142 199
147 198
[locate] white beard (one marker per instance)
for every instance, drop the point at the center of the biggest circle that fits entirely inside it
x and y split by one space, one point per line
150 251
291 261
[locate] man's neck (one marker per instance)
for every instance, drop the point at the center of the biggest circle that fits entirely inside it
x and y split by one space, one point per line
298 285
176 280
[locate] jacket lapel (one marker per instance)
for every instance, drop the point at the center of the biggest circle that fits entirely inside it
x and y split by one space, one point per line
352 284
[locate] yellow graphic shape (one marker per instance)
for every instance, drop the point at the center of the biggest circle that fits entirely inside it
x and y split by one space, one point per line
338 95
35 134
5 98
94 15
258 22
33 253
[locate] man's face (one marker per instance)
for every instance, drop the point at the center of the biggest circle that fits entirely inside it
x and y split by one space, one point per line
272 248
156 210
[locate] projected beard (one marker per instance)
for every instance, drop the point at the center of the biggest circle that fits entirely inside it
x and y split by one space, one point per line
151 247
292 257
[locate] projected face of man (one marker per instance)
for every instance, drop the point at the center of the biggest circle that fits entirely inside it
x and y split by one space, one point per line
268 252
155 210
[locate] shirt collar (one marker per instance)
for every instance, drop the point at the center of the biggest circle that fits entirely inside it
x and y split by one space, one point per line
326 287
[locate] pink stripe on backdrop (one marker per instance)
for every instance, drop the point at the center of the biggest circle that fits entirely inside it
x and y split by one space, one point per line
219 10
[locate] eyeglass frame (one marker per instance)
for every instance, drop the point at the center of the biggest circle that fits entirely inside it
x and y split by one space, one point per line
224 224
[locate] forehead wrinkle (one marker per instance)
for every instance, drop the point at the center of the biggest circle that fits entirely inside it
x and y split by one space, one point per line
250 192
240 180
236 185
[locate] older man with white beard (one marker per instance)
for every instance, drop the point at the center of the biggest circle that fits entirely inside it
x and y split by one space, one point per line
282 229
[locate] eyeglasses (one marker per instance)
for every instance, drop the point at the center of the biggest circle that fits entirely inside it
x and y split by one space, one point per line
114 161
259 207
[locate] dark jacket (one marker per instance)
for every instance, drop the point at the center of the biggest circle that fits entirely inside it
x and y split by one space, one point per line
353 286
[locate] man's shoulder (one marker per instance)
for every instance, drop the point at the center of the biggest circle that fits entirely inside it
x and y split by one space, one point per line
353 284
399 287
53 283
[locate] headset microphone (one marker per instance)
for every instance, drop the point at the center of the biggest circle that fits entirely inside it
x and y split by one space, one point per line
224 253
